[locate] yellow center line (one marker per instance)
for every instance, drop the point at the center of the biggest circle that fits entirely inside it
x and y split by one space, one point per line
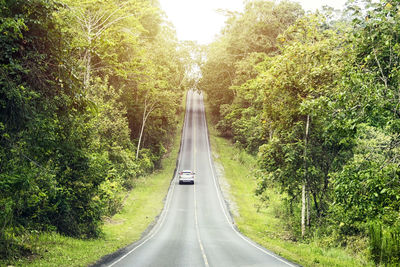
194 190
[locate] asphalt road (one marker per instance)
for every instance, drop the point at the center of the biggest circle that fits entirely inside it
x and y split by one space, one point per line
195 227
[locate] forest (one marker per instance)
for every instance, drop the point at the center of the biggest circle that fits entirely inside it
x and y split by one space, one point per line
89 97
315 96
91 91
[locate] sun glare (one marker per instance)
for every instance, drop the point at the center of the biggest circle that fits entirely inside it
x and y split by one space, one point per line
200 20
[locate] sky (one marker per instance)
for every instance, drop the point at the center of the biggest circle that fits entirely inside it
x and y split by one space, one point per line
198 20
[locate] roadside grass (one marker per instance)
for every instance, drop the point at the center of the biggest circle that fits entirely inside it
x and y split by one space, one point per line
141 207
263 223
143 204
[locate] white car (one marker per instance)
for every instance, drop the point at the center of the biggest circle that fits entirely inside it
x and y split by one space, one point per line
186 177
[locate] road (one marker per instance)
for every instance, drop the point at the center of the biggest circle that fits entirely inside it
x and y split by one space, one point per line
195 227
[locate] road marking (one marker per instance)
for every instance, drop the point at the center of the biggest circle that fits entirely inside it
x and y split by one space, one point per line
194 194
164 212
230 222
198 231
155 230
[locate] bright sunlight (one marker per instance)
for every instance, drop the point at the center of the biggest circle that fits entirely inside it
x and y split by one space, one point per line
201 21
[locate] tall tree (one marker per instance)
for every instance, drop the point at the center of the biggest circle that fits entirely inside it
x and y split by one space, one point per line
295 86
245 41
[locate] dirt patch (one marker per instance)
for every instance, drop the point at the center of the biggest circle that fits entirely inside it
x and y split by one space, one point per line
114 222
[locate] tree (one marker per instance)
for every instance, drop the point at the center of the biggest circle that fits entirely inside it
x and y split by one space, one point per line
96 18
295 86
43 153
150 104
245 41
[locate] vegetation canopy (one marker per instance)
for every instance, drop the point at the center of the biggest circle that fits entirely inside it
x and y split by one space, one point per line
90 92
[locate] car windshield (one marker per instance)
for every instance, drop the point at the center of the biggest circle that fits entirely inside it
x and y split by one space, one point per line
186 172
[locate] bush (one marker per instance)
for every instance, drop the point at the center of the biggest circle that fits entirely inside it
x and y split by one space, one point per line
384 244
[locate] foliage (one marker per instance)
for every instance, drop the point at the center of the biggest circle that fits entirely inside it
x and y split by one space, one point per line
246 39
384 244
367 188
293 85
73 80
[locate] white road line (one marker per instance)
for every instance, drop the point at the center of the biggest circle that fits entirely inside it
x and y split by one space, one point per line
155 230
221 202
163 215
194 194
198 231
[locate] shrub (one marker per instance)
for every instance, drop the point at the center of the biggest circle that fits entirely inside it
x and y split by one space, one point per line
384 244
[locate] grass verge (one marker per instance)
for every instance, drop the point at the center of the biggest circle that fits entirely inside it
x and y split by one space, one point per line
263 224
141 207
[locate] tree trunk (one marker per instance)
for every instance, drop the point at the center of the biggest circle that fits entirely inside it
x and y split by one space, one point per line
308 207
304 190
141 134
303 210
316 205
86 78
88 56
148 109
